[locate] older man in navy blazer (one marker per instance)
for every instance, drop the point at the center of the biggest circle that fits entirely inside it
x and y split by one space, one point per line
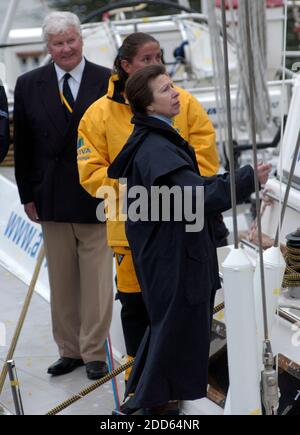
49 103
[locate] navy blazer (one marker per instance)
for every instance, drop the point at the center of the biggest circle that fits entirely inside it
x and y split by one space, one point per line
46 145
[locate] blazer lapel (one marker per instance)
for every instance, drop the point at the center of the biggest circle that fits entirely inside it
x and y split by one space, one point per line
88 92
49 94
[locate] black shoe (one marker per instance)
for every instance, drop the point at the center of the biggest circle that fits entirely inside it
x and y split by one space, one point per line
125 409
64 365
96 369
170 408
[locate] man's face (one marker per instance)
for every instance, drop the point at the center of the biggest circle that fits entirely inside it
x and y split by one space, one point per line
66 49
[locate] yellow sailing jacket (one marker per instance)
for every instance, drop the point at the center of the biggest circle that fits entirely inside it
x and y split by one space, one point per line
105 128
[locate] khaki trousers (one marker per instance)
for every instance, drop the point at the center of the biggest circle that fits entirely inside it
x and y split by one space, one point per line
80 276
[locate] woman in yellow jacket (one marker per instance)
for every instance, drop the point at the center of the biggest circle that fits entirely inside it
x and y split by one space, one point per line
103 131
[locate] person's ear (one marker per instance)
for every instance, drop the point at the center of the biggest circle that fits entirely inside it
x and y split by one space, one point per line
126 66
150 109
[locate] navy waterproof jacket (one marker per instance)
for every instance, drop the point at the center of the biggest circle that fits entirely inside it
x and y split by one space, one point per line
177 270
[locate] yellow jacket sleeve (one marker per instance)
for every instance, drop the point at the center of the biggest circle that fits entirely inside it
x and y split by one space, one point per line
202 137
92 150
196 127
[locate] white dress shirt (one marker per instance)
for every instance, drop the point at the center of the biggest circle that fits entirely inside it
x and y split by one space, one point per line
75 79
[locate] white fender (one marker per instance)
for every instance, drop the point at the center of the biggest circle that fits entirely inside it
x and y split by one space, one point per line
241 334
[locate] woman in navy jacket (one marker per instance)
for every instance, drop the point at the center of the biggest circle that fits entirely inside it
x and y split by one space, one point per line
177 269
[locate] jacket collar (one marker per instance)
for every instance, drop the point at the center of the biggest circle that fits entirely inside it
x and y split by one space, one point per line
151 123
116 90
76 72
145 125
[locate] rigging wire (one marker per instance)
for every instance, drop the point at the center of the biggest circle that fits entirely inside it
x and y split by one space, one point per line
244 8
229 127
281 129
278 235
238 28
217 63
258 48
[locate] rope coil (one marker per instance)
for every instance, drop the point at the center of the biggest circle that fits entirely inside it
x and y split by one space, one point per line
292 272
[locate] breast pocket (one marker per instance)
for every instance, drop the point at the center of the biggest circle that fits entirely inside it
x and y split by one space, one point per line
198 285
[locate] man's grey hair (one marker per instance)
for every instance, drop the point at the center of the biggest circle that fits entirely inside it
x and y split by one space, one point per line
59 22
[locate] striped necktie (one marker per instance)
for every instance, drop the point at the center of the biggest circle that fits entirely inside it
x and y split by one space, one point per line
67 96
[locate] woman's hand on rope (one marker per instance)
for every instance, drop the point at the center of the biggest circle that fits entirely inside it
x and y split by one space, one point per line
263 171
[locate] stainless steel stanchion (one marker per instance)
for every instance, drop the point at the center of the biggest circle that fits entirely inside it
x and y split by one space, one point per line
15 389
22 317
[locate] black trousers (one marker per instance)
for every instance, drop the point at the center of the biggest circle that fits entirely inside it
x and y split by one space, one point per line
134 320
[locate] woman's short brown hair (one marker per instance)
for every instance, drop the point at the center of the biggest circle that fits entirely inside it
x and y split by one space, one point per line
138 91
